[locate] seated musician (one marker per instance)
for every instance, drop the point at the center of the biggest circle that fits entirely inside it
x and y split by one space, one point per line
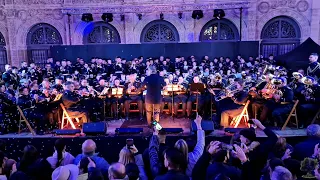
70 100
6 105
181 97
257 93
309 100
214 85
102 84
193 97
58 84
133 95
239 98
32 112
166 97
280 103
117 101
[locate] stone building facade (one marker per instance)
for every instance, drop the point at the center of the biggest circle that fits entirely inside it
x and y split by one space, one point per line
29 27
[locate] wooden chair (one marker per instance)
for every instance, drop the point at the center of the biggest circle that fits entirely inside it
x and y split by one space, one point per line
67 118
244 114
24 119
293 113
315 117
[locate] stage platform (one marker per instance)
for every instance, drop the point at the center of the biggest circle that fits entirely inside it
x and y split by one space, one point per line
110 144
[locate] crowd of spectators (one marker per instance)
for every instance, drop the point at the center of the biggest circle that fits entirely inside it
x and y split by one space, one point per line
244 158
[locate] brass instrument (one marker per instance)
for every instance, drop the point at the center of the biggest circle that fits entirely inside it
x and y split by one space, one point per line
276 82
308 81
296 78
229 90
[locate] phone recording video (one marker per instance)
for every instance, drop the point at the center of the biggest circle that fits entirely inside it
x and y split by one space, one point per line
157 125
129 143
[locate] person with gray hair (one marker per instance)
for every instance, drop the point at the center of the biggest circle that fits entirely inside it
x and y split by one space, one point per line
305 149
281 173
154 84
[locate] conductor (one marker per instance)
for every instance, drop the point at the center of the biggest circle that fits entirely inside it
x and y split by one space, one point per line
154 84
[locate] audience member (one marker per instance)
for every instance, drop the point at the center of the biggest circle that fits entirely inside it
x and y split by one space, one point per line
88 150
192 157
67 172
281 173
117 171
306 148
60 157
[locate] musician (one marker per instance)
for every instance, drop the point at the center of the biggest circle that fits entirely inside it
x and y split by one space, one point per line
181 97
71 102
154 83
6 105
7 76
193 97
167 97
309 100
32 112
133 95
117 101
236 106
58 84
280 103
314 66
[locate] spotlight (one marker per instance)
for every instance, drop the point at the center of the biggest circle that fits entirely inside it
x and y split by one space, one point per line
122 17
87 17
197 14
219 13
180 15
139 16
107 17
161 16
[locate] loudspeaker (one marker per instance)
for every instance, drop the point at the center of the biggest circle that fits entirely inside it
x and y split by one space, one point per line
172 130
206 125
219 13
128 130
197 14
67 131
87 17
95 128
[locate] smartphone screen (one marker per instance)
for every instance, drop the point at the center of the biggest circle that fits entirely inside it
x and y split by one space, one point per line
129 142
157 125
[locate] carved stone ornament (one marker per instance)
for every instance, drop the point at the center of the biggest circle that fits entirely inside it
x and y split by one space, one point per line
2 15
57 14
39 2
264 7
302 6
23 15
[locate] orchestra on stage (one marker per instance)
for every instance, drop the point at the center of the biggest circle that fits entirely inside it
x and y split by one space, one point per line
217 89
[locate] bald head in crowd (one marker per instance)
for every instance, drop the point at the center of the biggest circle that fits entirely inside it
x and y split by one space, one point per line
313 130
89 147
117 171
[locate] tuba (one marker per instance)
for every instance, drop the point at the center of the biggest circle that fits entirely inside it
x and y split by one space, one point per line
308 81
296 77
276 82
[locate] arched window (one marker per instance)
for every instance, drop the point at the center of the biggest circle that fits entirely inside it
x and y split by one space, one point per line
3 53
159 31
40 38
219 30
101 33
279 36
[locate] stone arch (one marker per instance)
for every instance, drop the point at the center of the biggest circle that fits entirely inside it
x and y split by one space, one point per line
175 21
115 37
23 30
78 30
230 15
158 24
233 35
300 19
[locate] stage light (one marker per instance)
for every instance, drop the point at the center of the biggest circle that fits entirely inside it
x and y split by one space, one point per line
107 17
122 17
180 15
197 14
219 13
139 16
161 16
87 17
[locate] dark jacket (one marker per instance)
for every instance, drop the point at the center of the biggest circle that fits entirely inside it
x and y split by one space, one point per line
154 84
173 175
258 157
305 149
70 99
200 168
221 168
38 170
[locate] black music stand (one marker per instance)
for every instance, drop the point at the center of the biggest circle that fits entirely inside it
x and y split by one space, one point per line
103 96
117 93
172 88
198 88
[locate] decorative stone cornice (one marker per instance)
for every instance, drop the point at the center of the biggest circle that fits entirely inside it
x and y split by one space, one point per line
153 8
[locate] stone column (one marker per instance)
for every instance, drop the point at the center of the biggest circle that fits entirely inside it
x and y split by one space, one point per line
315 21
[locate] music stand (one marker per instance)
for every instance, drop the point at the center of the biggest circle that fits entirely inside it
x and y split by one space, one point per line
117 93
198 88
172 88
102 96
